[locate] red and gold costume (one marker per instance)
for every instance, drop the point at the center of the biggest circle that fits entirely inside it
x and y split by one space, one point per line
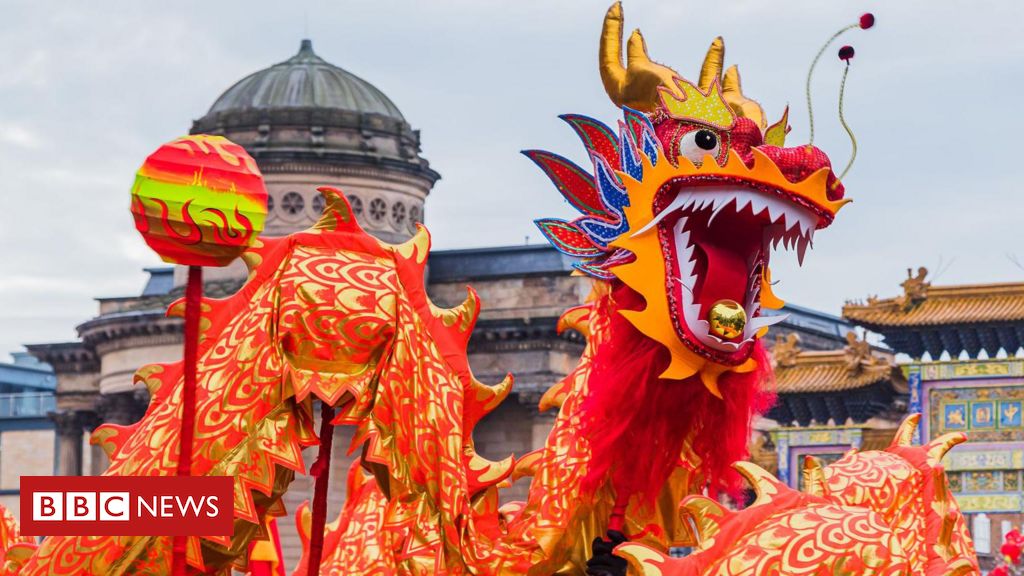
684 202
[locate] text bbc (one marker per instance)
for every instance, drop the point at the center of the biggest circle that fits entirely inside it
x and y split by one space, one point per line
128 506
119 506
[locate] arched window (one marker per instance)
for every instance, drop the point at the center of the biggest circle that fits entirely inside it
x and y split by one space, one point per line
415 217
981 530
398 215
292 203
356 203
378 210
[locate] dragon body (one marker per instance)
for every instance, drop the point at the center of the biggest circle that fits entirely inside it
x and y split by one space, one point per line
678 216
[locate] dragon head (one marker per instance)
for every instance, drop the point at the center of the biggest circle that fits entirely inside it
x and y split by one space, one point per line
686 202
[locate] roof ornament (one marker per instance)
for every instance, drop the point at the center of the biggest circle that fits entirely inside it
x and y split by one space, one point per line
787 348
915 289
858 354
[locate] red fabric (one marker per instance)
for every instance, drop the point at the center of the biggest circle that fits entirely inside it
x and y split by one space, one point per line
637 422
1013 544
193 303
746 134
321 470
260 568
796 163
799 162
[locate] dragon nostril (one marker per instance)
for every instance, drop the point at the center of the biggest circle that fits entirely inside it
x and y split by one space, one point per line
836 190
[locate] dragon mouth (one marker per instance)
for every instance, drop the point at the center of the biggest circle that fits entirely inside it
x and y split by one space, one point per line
716 239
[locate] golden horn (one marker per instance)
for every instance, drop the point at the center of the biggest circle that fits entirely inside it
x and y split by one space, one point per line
938 448
732 93
613 74
635 84
711 70
905 433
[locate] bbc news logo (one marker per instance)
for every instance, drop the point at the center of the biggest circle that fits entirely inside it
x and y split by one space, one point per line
127 506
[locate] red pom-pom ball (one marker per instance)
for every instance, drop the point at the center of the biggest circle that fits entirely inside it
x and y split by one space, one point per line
846 53
867 20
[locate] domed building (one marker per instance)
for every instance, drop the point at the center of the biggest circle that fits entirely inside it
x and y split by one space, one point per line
309 123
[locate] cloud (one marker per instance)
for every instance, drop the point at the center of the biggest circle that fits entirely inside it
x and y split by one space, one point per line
91 89
19 137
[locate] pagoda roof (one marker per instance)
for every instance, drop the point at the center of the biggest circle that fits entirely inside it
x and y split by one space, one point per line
951 319
855 383
829 371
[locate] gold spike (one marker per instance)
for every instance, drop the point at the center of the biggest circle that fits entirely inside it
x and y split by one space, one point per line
636 84
642 560
764 484
814 476
149 376
337 214
484 472
526 465
461 318
732 93
775 135
576 318
304 522
252 257
905 433
706 514
613 73
938 448
711 69
416 248
109 438
961 567
487 398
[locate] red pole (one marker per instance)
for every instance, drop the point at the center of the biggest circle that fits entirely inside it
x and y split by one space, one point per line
321 470
617 521
193 304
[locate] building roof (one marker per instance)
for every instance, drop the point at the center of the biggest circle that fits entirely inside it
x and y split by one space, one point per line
829 371
953 319
967 304
161 281
26 374
855 383
305 81
496 262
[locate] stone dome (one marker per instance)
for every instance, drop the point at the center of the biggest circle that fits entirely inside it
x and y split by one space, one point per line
306 81
309 123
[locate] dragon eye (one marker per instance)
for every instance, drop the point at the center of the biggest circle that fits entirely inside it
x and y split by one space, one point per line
699 143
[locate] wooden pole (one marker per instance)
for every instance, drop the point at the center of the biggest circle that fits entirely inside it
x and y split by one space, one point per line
193 312
321 470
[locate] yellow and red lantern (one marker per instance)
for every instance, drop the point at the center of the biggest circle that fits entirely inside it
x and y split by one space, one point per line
199 201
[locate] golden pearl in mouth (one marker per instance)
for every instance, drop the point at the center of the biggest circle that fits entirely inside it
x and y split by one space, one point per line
727 319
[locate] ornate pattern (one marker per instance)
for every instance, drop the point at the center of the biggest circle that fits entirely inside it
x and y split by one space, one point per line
873 512
335 314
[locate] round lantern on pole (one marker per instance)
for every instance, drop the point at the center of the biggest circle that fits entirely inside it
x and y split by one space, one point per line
197 201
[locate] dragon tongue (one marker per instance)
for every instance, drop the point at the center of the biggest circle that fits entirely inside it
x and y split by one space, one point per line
726 253
726 275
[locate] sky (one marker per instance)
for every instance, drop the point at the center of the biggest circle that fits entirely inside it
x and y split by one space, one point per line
88 90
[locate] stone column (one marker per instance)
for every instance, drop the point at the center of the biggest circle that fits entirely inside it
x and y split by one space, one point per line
122 407
94 460
69 443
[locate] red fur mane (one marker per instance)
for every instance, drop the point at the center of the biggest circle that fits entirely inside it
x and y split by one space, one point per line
638 423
